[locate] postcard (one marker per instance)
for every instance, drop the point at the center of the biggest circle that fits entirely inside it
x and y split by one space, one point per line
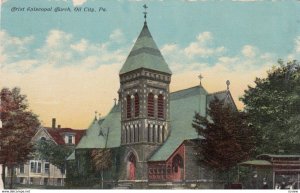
134 94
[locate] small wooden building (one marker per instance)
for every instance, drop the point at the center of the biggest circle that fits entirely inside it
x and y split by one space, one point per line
280 171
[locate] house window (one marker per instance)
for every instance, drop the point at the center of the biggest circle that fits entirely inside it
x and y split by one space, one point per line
46 181
31 181
160 106
22 180
22 169
136 105
150 105
128 107
35 166
59 181
46 168
43 139
70 137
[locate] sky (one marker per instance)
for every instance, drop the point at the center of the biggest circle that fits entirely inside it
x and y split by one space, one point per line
67 62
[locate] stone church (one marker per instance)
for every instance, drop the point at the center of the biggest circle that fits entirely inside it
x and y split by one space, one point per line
149 130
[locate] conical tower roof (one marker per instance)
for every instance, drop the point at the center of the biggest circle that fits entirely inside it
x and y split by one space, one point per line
145 54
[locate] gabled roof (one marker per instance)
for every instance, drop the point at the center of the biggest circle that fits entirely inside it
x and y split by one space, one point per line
145 54
103 133
183 106
71 156
221 95
57 134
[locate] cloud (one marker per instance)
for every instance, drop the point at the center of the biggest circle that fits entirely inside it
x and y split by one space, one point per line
62 74
78 2
80 46
241 69
117 36
62 49
249 51
201 47
297 44
56 37
187 58
295 55
70 93
70 78
13 48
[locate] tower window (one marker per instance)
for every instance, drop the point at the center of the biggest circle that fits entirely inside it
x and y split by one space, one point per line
128 107
150 105
136 105
160 106
149 133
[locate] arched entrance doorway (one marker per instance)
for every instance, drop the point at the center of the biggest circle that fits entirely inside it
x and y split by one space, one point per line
177 167
131 168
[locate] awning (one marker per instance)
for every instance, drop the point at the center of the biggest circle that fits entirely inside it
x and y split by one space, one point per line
256 163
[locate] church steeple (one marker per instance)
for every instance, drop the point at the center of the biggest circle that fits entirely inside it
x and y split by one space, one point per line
145 100
145 54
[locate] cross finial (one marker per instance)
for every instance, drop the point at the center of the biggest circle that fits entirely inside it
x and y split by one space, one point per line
227 83
145 12
200 77
96 115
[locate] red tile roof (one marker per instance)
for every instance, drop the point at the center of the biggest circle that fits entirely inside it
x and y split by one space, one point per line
58 134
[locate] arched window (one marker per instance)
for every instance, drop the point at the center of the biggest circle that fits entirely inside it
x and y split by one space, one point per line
136 105
163 134
131 167
177 163
149 133
150 105
160 106
128 106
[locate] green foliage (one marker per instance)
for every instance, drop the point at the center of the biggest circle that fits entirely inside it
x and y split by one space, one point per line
91 168
273 106
228 139
55 154
101 159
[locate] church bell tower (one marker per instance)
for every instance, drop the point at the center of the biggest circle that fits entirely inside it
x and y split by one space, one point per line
145 103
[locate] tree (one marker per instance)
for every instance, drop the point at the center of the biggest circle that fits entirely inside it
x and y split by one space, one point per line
55 154
101 160
273 106
19 126
228 139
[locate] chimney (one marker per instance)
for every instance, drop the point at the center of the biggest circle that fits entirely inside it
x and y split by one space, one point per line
58 126
53 123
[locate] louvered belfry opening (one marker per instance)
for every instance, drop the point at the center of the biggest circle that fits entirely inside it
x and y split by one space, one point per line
136 105
128 106
150 105
160 106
